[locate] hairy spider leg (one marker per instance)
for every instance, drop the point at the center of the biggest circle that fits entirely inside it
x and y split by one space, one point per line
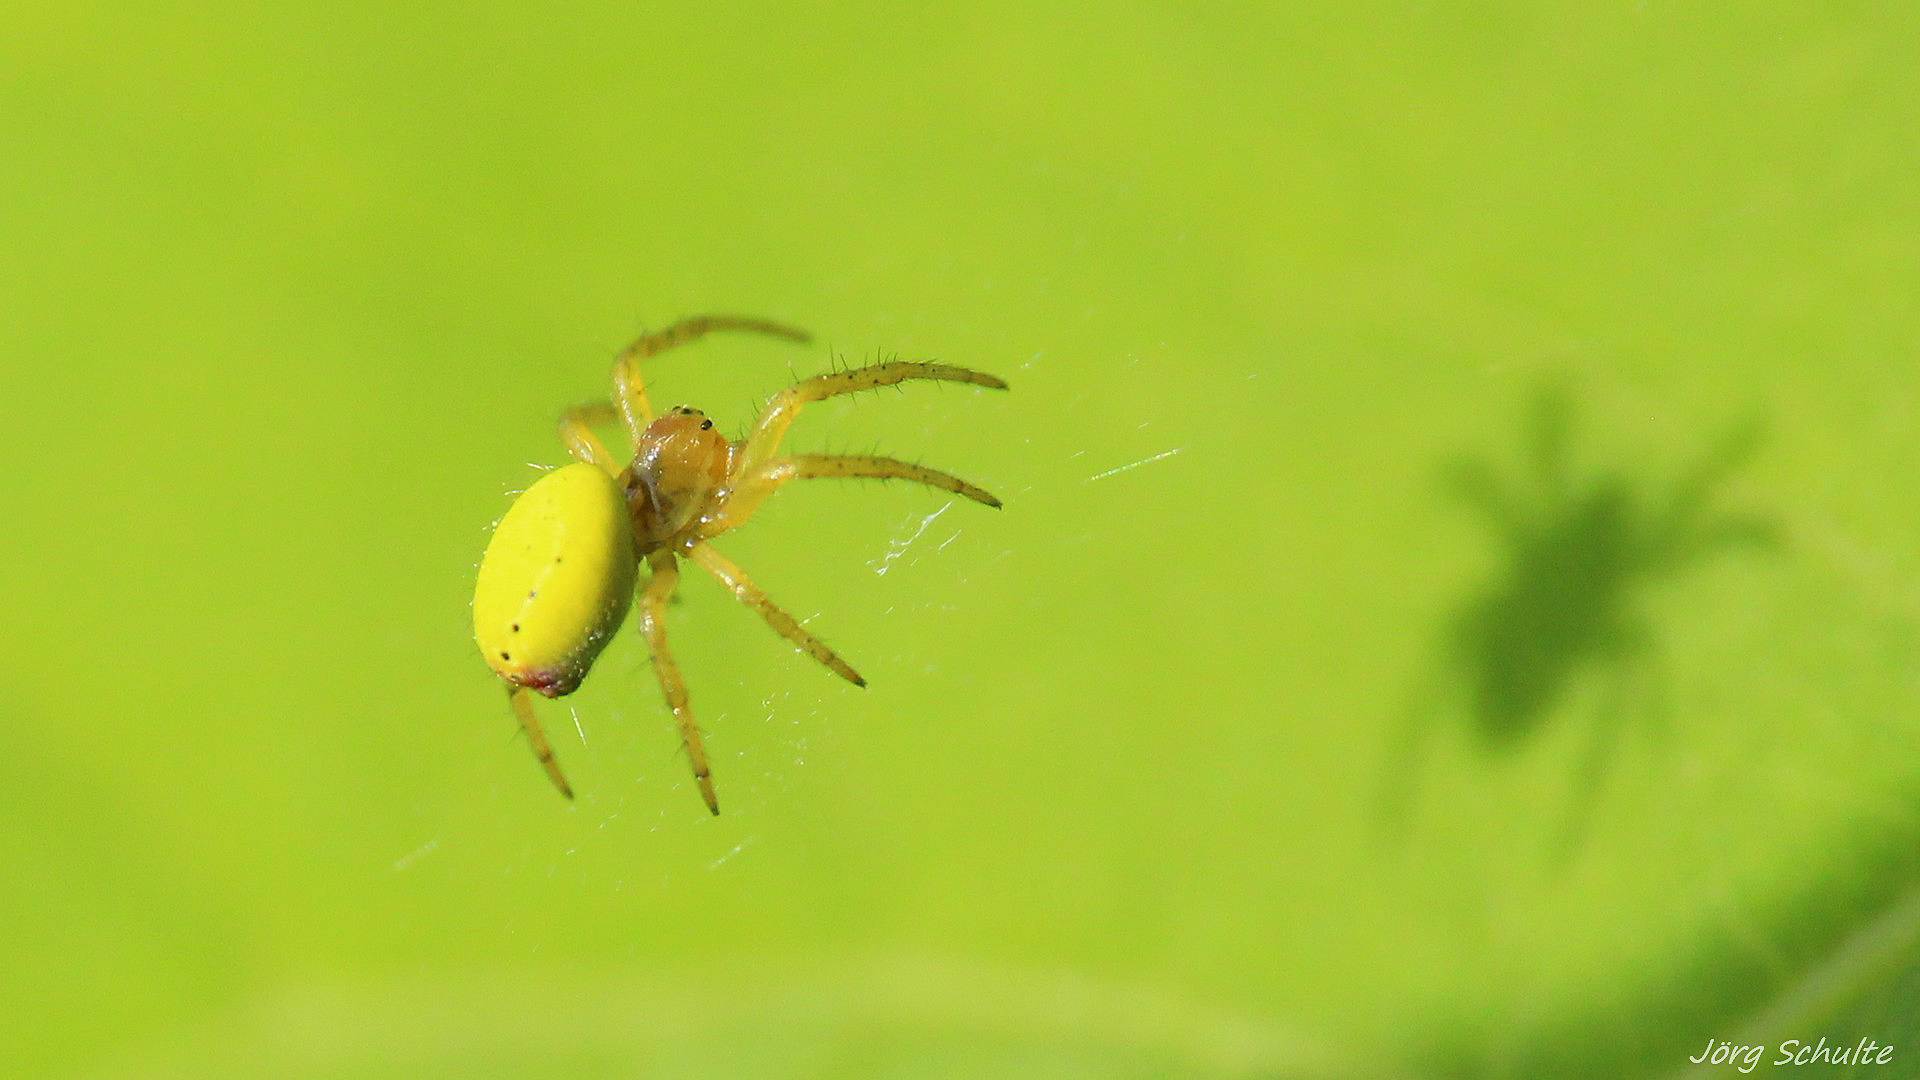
759 446
522 703
783 624
577 434
752 490
630 393
653 623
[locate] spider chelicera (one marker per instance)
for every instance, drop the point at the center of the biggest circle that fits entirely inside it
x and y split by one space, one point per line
561 570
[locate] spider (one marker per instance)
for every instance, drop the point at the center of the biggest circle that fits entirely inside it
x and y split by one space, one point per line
1579 555
559 574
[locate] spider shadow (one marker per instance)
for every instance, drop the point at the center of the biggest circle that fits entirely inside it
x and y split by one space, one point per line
1559 631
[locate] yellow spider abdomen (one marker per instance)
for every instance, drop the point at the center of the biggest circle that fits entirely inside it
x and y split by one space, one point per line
556 580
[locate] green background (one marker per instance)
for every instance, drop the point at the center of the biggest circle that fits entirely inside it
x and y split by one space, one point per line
1174 767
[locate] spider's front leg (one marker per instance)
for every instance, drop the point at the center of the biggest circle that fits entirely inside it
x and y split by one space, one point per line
750 491
759 446
653 613
629 392
576 433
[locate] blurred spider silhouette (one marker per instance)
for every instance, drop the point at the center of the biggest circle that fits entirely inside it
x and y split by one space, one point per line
1578 554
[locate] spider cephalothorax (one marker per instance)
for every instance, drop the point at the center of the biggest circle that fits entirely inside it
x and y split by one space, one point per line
559 575
678 467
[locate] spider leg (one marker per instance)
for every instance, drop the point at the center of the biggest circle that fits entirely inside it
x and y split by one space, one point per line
748 493
1682 525
576 432
783 624
630 393
653 624
522 703
760 444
